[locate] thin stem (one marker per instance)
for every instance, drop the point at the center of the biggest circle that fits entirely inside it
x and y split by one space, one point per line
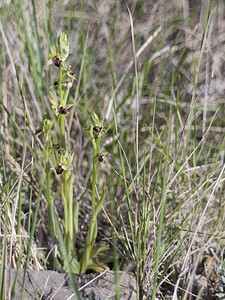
61 116
95 144
92 231
93 182
50 202
69 219
66 94
62 131
60 84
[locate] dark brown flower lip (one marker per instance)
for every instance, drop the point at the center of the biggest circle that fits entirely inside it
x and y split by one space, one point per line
97 128
101 158
63 110
59 170
57 62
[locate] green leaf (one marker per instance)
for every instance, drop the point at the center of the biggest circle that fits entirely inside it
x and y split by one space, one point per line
96 262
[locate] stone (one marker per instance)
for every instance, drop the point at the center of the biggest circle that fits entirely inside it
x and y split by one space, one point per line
54 285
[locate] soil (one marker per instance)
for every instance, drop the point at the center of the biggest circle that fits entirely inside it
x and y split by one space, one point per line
56 286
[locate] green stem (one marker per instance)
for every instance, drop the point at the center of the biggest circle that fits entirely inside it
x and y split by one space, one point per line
70 238
92 231
95 144
61 116
66 94
89 245
62 131
50 203
60 84
93 183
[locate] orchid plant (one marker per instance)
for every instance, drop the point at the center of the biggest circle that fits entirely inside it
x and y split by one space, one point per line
63 159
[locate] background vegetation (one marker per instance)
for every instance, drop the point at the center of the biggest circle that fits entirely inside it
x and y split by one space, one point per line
153 71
